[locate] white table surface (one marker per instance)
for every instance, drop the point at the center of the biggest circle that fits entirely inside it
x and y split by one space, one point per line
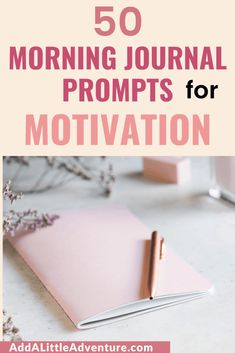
200 229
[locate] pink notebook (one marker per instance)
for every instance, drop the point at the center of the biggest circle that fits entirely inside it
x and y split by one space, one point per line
95 264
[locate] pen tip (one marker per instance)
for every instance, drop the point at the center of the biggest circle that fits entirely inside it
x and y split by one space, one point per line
151 298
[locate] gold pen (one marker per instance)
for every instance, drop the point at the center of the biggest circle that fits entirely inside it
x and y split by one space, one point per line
156 254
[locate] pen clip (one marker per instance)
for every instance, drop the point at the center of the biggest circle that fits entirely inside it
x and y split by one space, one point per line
162 248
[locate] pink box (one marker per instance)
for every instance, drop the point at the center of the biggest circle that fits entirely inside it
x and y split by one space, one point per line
176 170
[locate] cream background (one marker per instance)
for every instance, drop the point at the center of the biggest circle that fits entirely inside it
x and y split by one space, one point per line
60 23
71 22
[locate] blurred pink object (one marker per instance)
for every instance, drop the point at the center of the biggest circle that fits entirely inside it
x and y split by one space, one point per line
223 175
176 170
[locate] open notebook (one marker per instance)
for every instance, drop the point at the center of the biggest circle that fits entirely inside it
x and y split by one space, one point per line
95 264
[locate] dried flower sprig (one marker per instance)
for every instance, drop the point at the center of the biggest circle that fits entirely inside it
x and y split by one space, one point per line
25 220
107 179
10 331
10 195
18 159
60 170
77 166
